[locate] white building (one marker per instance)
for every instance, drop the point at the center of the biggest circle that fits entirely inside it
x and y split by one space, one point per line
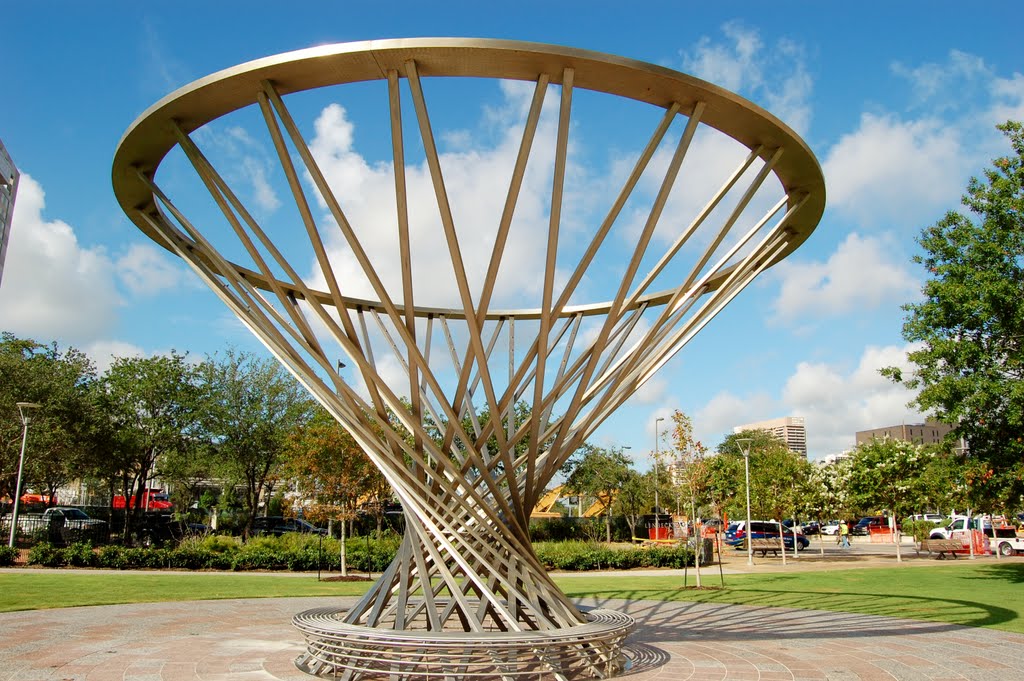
789 429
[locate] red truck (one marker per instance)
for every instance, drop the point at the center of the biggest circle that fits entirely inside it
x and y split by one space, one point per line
153 499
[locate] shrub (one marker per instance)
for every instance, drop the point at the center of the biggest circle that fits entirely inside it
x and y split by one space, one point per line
79 554
258 558
8 556
370 555
132 558
45 554
580 556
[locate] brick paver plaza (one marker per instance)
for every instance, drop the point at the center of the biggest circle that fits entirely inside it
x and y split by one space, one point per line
253 640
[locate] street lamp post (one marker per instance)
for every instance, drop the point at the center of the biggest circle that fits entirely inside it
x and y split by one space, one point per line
657 505
744 445
22 408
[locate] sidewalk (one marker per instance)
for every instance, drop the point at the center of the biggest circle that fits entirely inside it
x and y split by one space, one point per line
253 640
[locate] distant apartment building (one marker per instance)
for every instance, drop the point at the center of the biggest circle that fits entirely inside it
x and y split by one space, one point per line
829 459
928 433
8 190
789 429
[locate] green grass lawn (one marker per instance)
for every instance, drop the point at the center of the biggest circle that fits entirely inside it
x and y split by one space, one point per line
980 595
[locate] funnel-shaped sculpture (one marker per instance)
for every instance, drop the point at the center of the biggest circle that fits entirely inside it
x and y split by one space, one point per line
458 340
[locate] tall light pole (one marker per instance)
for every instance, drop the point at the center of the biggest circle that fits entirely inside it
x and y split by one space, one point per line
744 445
657 505
22 408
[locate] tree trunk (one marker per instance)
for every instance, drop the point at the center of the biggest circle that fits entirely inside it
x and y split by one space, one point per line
782 541
698 542
341 551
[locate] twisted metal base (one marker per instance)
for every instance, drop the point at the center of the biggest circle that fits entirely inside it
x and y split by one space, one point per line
337 649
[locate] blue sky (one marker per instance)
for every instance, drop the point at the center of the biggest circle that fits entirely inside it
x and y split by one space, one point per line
898 102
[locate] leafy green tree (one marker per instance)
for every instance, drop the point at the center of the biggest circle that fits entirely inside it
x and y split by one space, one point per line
63 430
333 474
887 474
634 499
969 327
154 406
599 473
253 405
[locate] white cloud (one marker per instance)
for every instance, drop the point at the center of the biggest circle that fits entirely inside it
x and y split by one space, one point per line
103 352
932 82
775 76
836 402
53 286
145 269
898 174
726 410
863 273
476 183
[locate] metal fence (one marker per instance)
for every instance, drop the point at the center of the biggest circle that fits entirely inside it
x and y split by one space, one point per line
35 529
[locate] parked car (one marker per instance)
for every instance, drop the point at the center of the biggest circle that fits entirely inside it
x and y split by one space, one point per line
812 527
868 524
277 525
72 518
830 528
736 534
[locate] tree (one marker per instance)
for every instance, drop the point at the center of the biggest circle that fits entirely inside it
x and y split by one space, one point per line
969 366
154 407
778 476
887 474
333 473
63 430
693 476
253 405
634 499
599 473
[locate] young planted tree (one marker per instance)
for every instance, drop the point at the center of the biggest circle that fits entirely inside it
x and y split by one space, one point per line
599 473
634 499
969 327
776 476
332 473
692 474
887 474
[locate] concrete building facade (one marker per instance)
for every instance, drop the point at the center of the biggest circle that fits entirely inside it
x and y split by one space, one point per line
8 191
928 433
790 429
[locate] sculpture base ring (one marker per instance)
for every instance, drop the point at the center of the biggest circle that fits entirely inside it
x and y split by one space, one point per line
335 648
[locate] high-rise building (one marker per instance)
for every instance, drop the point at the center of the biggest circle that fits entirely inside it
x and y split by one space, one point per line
928 433
8 190
789 429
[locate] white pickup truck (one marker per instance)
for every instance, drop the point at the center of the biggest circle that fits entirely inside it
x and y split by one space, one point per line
1001 539
1006 541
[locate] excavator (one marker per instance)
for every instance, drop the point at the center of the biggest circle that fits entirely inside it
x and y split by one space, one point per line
544 506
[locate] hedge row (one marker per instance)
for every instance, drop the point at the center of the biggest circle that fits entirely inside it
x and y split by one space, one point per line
8 555
294 553
581 556
302 554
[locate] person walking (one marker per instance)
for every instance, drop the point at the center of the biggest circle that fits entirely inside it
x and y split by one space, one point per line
844 535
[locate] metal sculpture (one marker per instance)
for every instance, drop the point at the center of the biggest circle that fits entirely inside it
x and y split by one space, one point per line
466 596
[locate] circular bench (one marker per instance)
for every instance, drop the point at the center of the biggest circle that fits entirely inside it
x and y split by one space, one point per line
588 650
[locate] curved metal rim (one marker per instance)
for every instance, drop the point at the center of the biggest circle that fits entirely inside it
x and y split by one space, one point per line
148 140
